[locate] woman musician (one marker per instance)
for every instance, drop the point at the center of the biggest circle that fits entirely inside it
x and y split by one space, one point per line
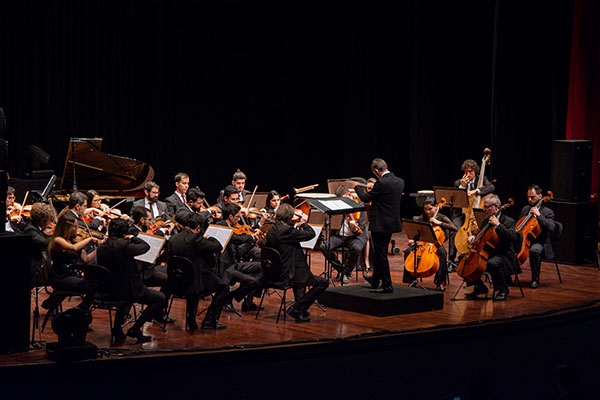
430 214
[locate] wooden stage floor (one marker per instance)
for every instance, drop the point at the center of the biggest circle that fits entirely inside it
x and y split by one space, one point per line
580 288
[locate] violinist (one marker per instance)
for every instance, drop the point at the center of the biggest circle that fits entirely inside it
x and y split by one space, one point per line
66 257
42 216
178 199
272 203
150 200
192 244
370 183
95 210
540 246
502 261
14 219
429 215
117 255
195 201
238 181
285 238
76 208
468 181
231 267
351 235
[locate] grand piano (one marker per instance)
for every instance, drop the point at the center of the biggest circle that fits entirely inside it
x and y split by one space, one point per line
87 167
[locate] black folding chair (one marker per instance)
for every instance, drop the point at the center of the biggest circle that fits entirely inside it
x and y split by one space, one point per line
273 279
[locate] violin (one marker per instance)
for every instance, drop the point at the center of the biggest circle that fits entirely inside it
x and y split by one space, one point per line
353 218
470 223
530 228
474 263
85 232
428 261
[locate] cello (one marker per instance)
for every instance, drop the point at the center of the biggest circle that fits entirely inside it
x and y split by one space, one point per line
428 260
474 263
470 224
530 228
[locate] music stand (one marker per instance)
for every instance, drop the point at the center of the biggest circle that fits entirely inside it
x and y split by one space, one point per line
335 207
259 201
419 232
455 197
480 216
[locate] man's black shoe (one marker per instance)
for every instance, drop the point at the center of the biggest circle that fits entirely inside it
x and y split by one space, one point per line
389 289
298 315
251 307
534 284
136 333
213 325
477 291
338 277
501 295
370 281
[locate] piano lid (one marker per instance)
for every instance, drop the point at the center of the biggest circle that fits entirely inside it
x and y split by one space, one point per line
107 174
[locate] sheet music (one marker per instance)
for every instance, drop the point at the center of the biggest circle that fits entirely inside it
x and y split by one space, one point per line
156 244
221 233
336 205
310 244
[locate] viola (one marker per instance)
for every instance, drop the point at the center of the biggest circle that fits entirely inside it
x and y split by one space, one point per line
474 263
428 261
530 228
470 224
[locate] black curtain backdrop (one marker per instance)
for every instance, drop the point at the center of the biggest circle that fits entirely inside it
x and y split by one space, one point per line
292 92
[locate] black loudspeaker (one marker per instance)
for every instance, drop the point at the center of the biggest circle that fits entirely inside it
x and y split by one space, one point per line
571 170
578 244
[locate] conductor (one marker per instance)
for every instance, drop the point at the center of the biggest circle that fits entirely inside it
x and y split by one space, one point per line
384 221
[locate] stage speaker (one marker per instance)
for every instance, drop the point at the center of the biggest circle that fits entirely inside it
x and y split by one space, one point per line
571 178
578 244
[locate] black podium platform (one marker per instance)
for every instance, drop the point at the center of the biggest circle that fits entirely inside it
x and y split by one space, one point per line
403 300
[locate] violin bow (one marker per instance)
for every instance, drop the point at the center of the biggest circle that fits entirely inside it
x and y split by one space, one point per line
23 205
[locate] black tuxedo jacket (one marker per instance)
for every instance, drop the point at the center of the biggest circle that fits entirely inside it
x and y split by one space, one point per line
286 240
237 247
39 243
117 256
486 189
385 203
201 251
546 221
174 203
161 205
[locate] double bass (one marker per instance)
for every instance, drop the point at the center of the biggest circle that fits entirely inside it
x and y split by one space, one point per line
470 224
474 263
530 228
428 261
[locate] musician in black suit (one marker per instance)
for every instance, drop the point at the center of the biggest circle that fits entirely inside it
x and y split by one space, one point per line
178 199
195 199
285 238
192 244
384 220
468 181
41 217
502 260
540 246
239 182
77 207
231 268
117 255
152 274
352 235
151 201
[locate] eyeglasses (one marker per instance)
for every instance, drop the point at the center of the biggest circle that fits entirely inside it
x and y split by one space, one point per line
490 206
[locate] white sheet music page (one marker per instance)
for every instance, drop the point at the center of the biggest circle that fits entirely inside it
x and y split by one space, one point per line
336 205
156 244
310 244
221 233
